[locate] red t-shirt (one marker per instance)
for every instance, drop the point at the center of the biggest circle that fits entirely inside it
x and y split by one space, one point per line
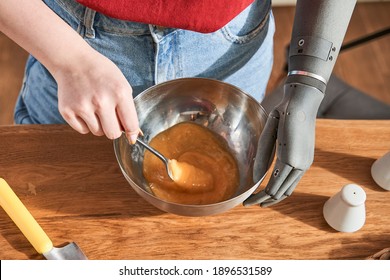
197 15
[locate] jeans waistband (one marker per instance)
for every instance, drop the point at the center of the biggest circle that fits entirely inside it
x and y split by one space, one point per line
90 19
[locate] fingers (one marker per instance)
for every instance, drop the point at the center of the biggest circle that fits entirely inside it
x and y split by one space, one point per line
257 198
86 120
266 147
280 173
271 202
78 124
129 120
288 182
74 120
286 190
104 118
110 123
282 183
93 123
290 190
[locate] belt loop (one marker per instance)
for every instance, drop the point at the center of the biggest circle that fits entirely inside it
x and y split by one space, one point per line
89 17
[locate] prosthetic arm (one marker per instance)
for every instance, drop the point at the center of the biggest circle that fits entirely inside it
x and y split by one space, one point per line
318 32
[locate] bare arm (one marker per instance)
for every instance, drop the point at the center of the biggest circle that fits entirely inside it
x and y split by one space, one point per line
93 94
32 25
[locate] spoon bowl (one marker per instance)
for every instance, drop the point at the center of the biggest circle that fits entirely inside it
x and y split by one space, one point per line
159 155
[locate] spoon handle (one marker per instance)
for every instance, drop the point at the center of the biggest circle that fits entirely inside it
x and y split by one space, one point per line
155 152
23 219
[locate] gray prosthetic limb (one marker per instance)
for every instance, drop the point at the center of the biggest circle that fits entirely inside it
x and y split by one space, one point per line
318 31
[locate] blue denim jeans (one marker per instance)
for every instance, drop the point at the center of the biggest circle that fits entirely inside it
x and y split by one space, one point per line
240 53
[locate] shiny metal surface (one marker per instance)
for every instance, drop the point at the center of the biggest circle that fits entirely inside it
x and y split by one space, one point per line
159 155
69 252
309 74
221 107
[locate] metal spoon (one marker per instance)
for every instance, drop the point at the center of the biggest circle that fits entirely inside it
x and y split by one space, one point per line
159 155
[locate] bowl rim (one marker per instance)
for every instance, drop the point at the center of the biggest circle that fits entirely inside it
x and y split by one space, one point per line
205 79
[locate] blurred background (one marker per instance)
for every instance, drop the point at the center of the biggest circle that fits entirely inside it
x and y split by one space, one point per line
365 67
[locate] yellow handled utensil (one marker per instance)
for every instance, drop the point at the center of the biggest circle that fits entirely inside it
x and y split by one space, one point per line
32 230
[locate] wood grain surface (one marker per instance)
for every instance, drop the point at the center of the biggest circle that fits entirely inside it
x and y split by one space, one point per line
72 185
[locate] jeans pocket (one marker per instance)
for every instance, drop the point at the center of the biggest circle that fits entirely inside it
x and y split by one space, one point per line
249 24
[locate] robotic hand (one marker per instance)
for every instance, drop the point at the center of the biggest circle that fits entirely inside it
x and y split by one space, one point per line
318 32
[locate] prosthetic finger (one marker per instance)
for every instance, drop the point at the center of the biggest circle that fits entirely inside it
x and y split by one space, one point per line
256 198
290 180
271 202
289 191
266 146
280 173
293 185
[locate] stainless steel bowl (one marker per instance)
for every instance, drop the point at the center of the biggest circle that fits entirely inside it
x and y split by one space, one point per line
221 107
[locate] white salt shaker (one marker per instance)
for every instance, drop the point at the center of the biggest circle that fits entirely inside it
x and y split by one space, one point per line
346 211
380 171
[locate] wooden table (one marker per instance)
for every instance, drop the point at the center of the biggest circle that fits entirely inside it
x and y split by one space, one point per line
72 185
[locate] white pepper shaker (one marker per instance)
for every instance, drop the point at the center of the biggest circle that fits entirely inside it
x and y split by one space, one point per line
380 171
346 211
